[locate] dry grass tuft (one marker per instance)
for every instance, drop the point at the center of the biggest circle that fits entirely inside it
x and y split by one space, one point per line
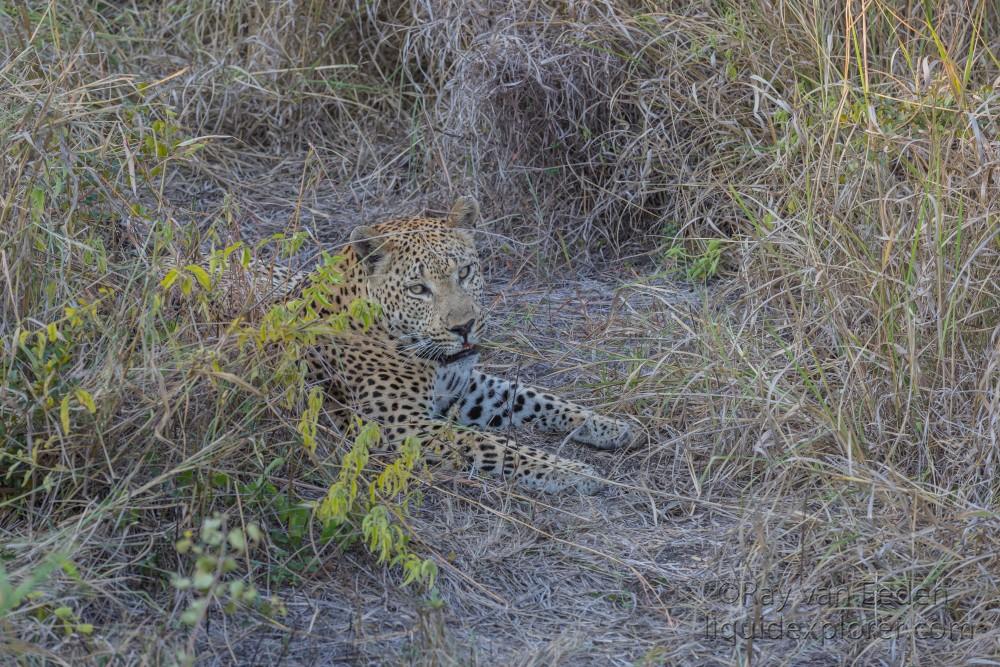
768 232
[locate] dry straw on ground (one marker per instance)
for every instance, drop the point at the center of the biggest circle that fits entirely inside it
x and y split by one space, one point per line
822 413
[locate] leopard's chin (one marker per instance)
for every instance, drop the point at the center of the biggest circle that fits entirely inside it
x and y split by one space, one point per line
468 350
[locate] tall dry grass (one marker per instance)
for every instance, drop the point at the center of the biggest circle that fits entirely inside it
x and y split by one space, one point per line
835 163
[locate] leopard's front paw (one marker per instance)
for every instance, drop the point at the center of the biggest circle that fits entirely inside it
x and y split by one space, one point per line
604 432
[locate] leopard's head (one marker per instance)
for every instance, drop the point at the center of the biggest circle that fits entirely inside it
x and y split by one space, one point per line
425 275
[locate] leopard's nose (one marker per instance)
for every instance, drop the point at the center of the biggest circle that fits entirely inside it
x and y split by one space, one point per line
464 330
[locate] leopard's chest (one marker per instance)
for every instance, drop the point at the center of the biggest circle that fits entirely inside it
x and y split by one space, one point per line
450 384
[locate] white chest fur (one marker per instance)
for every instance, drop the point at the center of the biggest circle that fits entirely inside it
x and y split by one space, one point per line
451 383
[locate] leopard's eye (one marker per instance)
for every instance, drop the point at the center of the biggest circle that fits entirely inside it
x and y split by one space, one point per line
464 272
419 289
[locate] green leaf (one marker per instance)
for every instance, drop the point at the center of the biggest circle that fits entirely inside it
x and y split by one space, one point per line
237 540
37 196
193 613
203 580
236 588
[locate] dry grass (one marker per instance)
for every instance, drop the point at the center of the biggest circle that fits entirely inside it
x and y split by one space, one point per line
822 414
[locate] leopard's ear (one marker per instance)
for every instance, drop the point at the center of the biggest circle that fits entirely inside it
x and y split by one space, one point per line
464 213
370 247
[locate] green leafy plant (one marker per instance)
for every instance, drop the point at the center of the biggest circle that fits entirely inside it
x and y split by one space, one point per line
345 507
210 578
699 266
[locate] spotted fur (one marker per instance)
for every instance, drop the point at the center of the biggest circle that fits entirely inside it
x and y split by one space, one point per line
414 372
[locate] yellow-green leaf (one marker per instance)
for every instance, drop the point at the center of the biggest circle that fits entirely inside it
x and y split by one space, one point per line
170 278
64 414
71 570
86 400
200 275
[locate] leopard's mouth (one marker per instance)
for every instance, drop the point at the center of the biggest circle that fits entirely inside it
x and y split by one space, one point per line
468 350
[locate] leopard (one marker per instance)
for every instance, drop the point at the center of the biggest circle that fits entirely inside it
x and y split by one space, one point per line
413 370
